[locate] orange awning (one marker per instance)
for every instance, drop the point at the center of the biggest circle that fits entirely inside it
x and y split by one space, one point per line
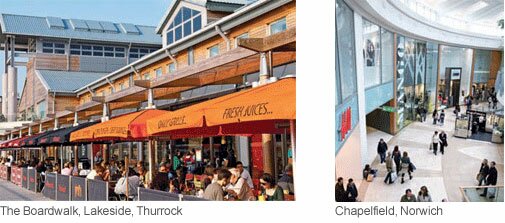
260 109
126 127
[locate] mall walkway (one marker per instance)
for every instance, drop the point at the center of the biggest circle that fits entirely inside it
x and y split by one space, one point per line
442 174
11 192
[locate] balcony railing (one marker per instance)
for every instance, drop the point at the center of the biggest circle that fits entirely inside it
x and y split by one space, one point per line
434 16
473 193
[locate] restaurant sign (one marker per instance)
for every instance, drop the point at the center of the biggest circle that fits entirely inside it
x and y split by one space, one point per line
78 189
246 111
49 189
32 180
62 188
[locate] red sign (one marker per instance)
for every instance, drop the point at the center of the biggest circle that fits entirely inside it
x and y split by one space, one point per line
345 123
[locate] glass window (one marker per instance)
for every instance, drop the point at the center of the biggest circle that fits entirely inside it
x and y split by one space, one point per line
170 37
42 109
47 50
146 76
56 48
186 13
187 28
371 54
185 23
178 18
178 33
111 90
242 36
197 23
45 44
346 51
387 55
121 86
75 52
214 50
278 26
171 68
75 46
158 72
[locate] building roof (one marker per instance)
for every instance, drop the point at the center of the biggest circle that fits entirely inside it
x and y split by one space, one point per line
66 81
212 5
77 29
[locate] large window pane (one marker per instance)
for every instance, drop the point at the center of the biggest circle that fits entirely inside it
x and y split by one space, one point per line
187 28
278 26
371 53
346 52
387 56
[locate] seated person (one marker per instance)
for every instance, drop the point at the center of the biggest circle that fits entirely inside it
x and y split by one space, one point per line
286 181
133 184
160 181
368 170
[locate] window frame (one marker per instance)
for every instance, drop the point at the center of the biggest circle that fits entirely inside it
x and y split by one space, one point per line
270 25
210 49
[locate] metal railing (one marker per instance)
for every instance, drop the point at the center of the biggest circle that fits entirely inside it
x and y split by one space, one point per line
434 16
473 193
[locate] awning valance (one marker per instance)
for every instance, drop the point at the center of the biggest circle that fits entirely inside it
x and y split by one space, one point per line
257 110
125 127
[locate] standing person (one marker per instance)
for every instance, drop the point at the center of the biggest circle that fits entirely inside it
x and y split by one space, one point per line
408 196
389 168
491 179
397 156
483 172
406 166
352 191
286 181
340 193
434 116
215 190
443 141
442 117
435 140
270 190
382 147
423 114
424 195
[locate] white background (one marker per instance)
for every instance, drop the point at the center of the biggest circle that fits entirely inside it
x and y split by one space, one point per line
314 168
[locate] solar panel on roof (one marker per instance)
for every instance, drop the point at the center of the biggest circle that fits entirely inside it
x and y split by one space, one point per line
108 27
94 26
78 24
55 23
129 28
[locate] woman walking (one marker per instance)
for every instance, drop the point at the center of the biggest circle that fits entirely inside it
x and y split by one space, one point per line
443 141
406 166
397 155
435 140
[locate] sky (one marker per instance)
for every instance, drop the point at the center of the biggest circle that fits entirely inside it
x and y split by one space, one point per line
139 12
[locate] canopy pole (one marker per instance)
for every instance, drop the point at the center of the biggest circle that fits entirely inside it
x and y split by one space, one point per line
211 148
61 157
127 166
76 157
151 159
292 131
91 157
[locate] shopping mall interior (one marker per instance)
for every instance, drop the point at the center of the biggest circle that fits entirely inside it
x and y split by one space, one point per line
399 64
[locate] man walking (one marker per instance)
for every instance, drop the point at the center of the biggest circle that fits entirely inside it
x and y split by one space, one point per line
443 141
382 147
442 117
434 140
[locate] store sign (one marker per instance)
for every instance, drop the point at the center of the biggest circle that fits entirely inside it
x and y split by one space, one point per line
345 124
389 109
246 111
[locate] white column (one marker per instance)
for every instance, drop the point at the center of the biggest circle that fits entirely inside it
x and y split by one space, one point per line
358 37
76 119
5 90
150 99
12 105
105 112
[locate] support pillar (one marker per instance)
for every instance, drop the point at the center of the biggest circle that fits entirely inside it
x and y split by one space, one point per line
105 112
55 124
150 99
12 105
76 119
150 147
30 130
40 127
5 90
267 139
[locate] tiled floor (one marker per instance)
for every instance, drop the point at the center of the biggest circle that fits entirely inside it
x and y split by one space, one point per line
442 174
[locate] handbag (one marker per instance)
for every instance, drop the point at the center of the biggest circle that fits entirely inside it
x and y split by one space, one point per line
412 167
478 177
369 178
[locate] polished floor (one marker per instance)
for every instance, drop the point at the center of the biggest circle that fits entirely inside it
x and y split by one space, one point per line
442 174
